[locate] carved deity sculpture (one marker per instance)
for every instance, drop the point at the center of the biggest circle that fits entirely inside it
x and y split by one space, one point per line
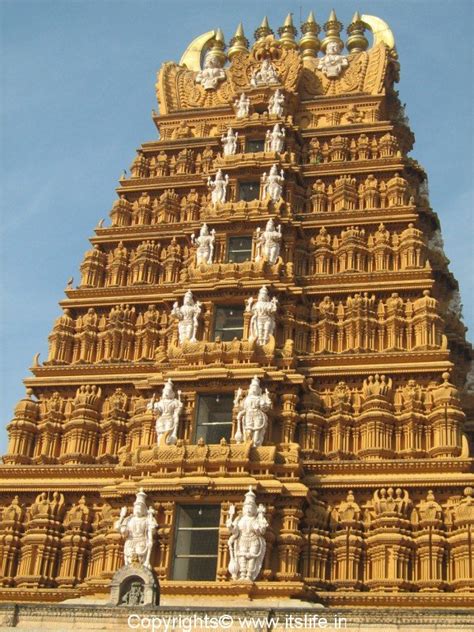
262 322
205 245
212 73
268 242
167 410
333 62
252 419
247 543
188 317
265 76
218 187
242 106
273 184
275 139
276 103
229 142
138 529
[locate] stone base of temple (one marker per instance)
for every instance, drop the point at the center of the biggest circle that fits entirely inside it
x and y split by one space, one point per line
262 618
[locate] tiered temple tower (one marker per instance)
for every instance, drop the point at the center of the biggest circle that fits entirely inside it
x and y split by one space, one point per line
363 466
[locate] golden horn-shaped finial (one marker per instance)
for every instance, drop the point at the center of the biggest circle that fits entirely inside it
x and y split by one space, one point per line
309 43
332 28
287 33
356 42
263 30
239 43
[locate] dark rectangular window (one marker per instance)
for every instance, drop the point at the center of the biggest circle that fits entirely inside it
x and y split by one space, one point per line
196 543
252 146
214 418
229 323
239 249
249 191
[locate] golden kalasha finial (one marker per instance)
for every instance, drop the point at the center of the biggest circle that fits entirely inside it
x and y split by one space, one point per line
332 28
239 43
309 43
217 48
356 42
263 30
287 33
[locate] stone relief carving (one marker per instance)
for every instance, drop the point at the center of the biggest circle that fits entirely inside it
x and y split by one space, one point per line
275 139
205 245
252 419
242 106
272 185
266 75
167 411
188 317
333 62
268 242
138 529
212 73
218 187
229 142
276 103
262 322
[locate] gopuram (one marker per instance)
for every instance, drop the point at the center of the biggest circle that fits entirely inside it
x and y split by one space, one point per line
260 388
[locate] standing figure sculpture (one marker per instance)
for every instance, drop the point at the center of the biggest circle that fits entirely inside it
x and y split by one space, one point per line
139 530
167 410
205 245
272 185
333 62
188 317
276 103
229 142
252 419
268 242
218 187
247 543
242 106
275 139
262 322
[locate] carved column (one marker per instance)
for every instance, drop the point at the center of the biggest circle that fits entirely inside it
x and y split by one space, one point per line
11 529
22 430
166 521
431 562
348 545
445 420
461 542
289 539
316 546
75 547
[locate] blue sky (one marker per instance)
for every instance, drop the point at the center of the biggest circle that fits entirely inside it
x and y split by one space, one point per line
76 94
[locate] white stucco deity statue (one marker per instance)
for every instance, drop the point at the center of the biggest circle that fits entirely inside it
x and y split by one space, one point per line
218 187
188 317
273 184
262 322
205 245
266 76
167 411
275 139
247 543
212 73
252 418
333 62
276 103
268 242
242 106
139 530
229 142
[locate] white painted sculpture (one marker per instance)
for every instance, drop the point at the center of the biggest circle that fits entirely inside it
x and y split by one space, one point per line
212 73
218 187
262 322
275 139
139 530
247 543
205 245
268 242
229 142
188 317
252 420
272 185
167 411
333 62
266 76
276 103
242 106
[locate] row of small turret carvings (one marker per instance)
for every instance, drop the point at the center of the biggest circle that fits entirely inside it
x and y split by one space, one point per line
342 194
152 263
360 323
338 149
371 421
385 542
